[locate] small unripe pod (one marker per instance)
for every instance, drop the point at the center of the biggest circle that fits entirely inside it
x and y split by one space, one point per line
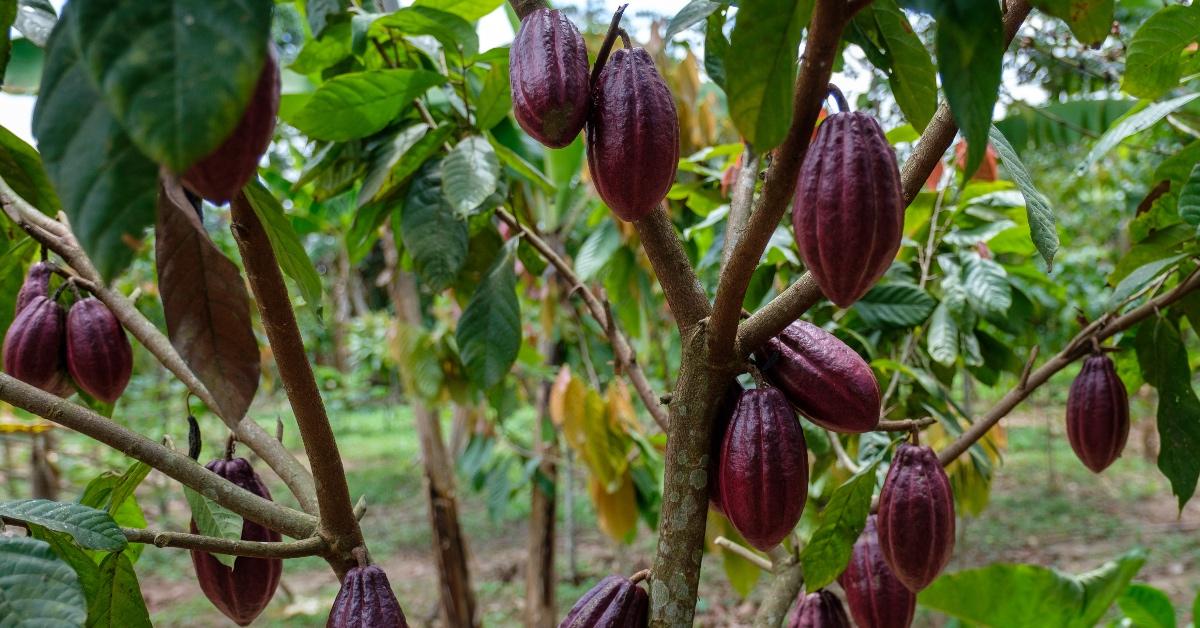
37 283
1097 414
98 353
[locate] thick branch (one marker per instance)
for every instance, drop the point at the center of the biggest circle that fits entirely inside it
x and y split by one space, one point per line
279 321
312 546
623 352
172 463
773 317
739 203
671 265
785 586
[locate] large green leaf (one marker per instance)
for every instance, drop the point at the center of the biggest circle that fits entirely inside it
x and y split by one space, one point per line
489 332
495 96
970 45
596 250
469 174
293 259
36 588
763 48
469 10
514 160
399 159
1135 121
114 493
454 33
176 93
691 14
716 48
1047 597
433 236
895 305
91 528
1042 228
1164 361
1189 198
71 553
117 602
15 255
987 287
943 335
322 13
911 73
1090 20
360 103
1139 279
213 519
1154 59
106 185
842 520
21 167
1147 607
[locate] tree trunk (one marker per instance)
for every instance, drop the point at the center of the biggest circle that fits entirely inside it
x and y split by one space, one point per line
43 475
540 580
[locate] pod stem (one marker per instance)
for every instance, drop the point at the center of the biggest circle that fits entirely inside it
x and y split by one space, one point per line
754 371
45 253
360 556
914 436
639 576
839 98
230 446
614 29
625 38
1096 349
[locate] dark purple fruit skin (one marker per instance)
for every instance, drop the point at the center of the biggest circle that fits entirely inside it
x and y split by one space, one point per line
875 597
366 600
848 214
763 468
633 135
548 75
615 602
825 379
98 353
241 593
916 517
720 426
822 609
1097 414
34 346
37 283
220 175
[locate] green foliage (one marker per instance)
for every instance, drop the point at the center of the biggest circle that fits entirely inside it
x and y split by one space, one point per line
1090 20
359 104
1154 62
886 36
35 586
1147 606
213 519
469 175
91 528
434 236
285 242
1164 363
489 332
1040 215
842 520
969 46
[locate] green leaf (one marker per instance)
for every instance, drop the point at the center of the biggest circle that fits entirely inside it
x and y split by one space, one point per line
943 335
401 159
1147 607
895 305
126 512
91 528
970 44
106 185
21 167
1041 216
360 103
469 10
911 73
489 332
14 261
716 48
495 97
1139 279
213 519
321 13
433 236
454 33
763 48
469 174
1164 363
987 286
596 250
328 50
293 259
842 520
1135 121
178 102
1189 198
1154 61
1090 20
515 161
118 601
36 588
691 14
1047 597
69 552
126 484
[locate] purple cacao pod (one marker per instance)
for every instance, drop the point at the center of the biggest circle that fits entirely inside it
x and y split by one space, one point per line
916 517
1097 414
875 597
220 175
98 353
37 283
243 591
548 75
366 600
720 426
763 468
822 609
848 214
825 379
34 346
615 602
633 135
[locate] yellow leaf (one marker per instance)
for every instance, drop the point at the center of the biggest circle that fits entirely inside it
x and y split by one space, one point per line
621 415
574 414
558 392
617 511
417 359
605 452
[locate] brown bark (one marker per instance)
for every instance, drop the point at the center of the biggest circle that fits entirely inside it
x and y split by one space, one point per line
43 475
540 579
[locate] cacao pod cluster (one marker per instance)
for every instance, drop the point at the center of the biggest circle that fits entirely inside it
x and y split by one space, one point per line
366 600
632 124
1097 413
45 343
615 602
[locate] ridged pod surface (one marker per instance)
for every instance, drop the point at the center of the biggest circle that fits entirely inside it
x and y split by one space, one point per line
34 346
720 426
366 600
221 174
763 468
633 135
548 76
37 283
875 597
822 609
98 353
916 517
848 214
243 591
825 379
615 602
1097 414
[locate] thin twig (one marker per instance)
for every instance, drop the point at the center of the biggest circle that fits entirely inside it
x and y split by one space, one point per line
745 553
614 29
312 546
840 452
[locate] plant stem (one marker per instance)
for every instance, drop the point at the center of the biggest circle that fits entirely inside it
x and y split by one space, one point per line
745 553
312 546
614 29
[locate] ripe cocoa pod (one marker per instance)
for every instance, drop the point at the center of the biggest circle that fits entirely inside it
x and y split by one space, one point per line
220 175
633 135
763 468
848 214
366 600
241 593
822 377
615 602
875 597
98 353
822 609
37 283
1097 414
548 75
720 427
916 517
34 346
